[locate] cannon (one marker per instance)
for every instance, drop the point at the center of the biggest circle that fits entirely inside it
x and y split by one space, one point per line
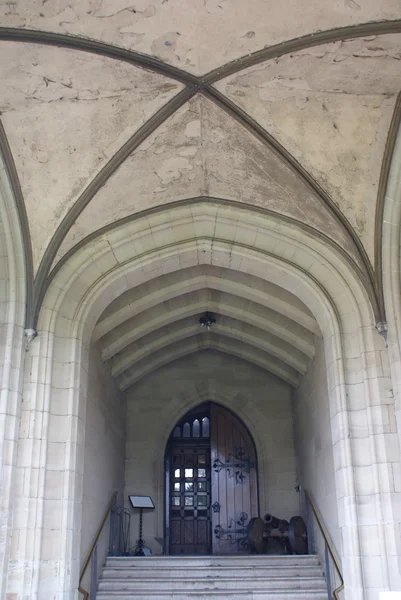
293 534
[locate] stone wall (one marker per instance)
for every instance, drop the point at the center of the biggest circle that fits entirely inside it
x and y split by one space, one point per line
313 442
261 400
104 452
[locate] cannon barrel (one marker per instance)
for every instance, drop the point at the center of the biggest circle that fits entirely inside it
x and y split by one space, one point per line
275 523
293 534
271 521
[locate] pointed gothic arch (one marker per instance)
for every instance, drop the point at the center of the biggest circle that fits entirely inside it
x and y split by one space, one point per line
211 482
285 255
12 333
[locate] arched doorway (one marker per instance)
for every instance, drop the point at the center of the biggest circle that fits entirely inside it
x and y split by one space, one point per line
211 483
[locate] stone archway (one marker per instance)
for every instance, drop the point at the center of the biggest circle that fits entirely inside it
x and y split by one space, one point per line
12 334
283 254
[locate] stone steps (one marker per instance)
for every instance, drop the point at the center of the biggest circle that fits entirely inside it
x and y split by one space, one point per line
222 595
214 571
211 583
212 578
233 561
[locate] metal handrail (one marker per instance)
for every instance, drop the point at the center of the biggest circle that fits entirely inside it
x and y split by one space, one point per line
92 548
328 543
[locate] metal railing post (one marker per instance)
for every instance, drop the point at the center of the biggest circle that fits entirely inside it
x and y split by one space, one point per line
328 574
309 525
93 549
329 549
94 574
113 549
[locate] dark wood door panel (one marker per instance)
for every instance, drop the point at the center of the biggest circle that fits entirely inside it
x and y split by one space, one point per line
234 482
190 500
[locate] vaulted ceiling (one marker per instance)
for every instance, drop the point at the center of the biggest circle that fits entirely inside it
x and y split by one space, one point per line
155 323
112 108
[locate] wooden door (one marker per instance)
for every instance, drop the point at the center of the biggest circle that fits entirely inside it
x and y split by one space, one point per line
234 482
189 495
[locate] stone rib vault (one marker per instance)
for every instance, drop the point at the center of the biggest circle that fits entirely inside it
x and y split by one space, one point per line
162 159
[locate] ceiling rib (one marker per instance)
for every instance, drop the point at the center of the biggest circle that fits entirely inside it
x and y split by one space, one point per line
147 321
309 40
268 140
209 199
145 324
301 43
93 46
6 153
99 181
176 283
200 343
187 328
381 192
194 84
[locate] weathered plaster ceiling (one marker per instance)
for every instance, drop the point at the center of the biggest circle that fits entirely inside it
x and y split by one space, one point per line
65 114
198 35
201 151
111 108
331 107
167 167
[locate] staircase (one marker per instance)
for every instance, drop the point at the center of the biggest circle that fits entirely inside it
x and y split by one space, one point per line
213 578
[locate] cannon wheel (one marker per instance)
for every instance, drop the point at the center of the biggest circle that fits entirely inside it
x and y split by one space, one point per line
298 536
256 529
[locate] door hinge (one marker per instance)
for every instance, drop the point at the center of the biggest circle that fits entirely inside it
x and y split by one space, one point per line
237 464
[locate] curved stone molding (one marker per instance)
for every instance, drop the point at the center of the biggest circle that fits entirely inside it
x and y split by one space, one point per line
239 284
189 303
10 173
100 271
350 242
226 327
321 35
48 38
13 272
390 252
141 224
197 343
301 43
153 315
389 158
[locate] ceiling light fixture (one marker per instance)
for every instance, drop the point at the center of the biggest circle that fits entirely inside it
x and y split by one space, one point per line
207 320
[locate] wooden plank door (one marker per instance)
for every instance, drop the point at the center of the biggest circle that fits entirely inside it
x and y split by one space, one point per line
234 482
